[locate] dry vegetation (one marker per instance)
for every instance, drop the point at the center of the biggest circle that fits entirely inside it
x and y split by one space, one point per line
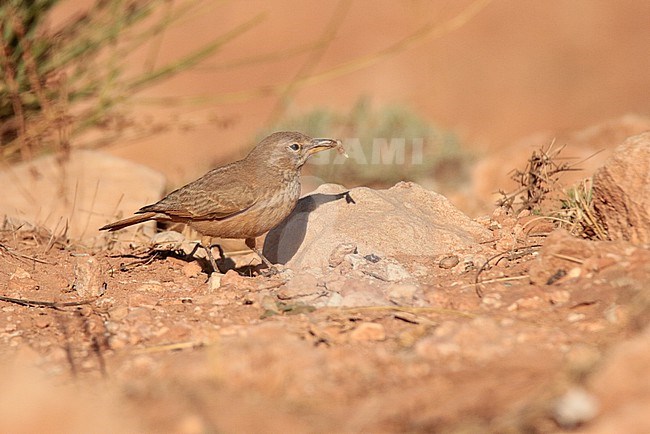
59 83
541 193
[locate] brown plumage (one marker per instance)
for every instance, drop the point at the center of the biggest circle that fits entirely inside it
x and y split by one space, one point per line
244 199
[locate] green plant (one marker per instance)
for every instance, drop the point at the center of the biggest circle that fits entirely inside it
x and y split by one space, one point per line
577 212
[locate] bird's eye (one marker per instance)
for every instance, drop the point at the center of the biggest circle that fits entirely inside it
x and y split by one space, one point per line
294 147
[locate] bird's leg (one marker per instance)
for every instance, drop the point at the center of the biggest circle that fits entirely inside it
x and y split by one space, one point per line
205 243
250 242
222 254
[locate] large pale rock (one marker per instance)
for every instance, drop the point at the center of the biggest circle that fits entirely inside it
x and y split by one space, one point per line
83 192
405 220
622 191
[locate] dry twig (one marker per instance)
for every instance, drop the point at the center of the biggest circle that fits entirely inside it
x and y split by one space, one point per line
57 305
516 253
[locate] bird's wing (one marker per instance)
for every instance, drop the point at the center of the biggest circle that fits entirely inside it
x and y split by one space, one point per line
217 195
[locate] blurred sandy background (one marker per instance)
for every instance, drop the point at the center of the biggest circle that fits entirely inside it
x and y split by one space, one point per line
503 69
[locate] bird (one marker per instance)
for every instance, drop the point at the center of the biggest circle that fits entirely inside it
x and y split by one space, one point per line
243 199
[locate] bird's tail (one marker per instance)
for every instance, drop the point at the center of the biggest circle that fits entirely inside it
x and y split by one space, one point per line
134 220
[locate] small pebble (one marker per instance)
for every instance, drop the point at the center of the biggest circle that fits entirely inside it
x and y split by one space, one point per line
449 262
231 277
368 331
118 313
42 321
338 253
20 274
214 282
402 292
372 258
191 269
559 297
151 286
335 300
575 407
492 300
355 260
88 279
142 299
575 317
396 273
303 284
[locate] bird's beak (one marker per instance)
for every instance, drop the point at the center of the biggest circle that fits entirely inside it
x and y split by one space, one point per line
317 145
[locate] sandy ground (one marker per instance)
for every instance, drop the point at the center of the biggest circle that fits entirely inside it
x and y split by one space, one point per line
159 351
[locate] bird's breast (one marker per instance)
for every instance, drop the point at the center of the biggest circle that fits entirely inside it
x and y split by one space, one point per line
274 203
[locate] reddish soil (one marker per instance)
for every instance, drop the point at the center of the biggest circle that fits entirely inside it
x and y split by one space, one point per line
160 352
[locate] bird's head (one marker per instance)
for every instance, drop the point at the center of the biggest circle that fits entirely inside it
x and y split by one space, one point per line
289 149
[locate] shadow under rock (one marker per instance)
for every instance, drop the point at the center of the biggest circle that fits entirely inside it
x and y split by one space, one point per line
283 241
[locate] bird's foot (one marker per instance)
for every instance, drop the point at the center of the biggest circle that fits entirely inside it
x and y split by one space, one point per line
277 271
268 272
271 269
